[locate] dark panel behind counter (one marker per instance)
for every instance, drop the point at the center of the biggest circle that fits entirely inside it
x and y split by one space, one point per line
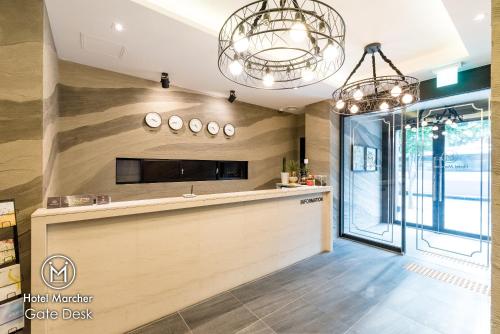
133 170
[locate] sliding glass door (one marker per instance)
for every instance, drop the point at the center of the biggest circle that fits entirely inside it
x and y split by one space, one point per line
370 174
419 181
448 197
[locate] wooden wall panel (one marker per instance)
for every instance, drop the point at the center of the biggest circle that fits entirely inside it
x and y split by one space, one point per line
495 186
50 105
322 132
21 102
101 117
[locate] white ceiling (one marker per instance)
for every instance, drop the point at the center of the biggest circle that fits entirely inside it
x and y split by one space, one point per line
180 37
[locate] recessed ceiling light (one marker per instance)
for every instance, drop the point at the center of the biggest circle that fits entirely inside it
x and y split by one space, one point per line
479 17
117 26
291 108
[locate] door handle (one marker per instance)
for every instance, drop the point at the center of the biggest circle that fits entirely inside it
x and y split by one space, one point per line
433 189
441 174
182 171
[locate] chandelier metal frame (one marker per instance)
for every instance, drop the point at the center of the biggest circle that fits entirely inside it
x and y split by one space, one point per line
266 26
377 93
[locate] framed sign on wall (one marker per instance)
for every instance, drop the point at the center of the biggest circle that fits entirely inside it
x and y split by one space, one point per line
358 158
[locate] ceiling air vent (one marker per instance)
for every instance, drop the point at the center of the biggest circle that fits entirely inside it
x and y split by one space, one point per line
100 46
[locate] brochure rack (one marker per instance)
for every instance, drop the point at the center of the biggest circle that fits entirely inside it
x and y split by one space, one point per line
11 301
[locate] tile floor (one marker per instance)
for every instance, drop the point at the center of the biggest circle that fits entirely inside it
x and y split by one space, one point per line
354 290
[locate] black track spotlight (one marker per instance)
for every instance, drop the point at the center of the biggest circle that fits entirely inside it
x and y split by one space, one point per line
232 96
165 81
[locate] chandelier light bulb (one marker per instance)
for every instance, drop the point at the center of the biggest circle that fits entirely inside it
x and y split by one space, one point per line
240 42
354 109
307 75
340 105
268 78
298 32
444 133
384 106
424 123
435 137
414 129
448 122
407 98
396 91
358 94
435 128
330 52
407 126
235 68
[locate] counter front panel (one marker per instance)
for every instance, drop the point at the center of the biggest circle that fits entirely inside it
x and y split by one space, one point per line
151 262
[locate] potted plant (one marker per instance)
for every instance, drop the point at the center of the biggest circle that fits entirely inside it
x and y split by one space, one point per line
284 173
293 169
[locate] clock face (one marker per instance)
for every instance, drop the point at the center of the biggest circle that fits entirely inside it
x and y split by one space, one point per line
175 123
195 125
213 128
153 120
229 130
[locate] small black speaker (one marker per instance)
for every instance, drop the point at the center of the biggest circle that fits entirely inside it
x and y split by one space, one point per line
232 96
165 81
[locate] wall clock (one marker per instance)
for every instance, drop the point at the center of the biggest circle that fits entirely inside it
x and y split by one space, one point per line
175 123
195 125
213 128
229 130
153 120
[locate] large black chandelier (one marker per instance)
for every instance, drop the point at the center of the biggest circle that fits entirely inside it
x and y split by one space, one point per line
281 44
378 93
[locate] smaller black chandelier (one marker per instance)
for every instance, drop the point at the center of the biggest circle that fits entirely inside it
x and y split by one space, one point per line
438 123
378 93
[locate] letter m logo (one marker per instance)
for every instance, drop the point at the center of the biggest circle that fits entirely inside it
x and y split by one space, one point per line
60 275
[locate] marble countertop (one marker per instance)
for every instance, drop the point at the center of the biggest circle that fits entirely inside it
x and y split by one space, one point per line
115 209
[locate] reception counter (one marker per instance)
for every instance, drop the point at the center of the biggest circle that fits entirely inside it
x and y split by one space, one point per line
141 260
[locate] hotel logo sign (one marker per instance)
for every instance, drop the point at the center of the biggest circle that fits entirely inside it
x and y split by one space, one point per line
58 272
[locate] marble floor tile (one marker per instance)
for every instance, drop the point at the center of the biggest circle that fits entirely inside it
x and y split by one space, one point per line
222 314
386 321
172 324
347 309
302 317
265 304
354 290
452 316
259 327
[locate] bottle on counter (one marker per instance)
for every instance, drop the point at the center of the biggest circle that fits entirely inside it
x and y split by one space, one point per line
310 181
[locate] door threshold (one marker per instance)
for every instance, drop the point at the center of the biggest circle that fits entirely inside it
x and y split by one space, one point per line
374 244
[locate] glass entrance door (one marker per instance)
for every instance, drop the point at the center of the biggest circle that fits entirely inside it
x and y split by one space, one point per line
465 179
451 147
369 174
